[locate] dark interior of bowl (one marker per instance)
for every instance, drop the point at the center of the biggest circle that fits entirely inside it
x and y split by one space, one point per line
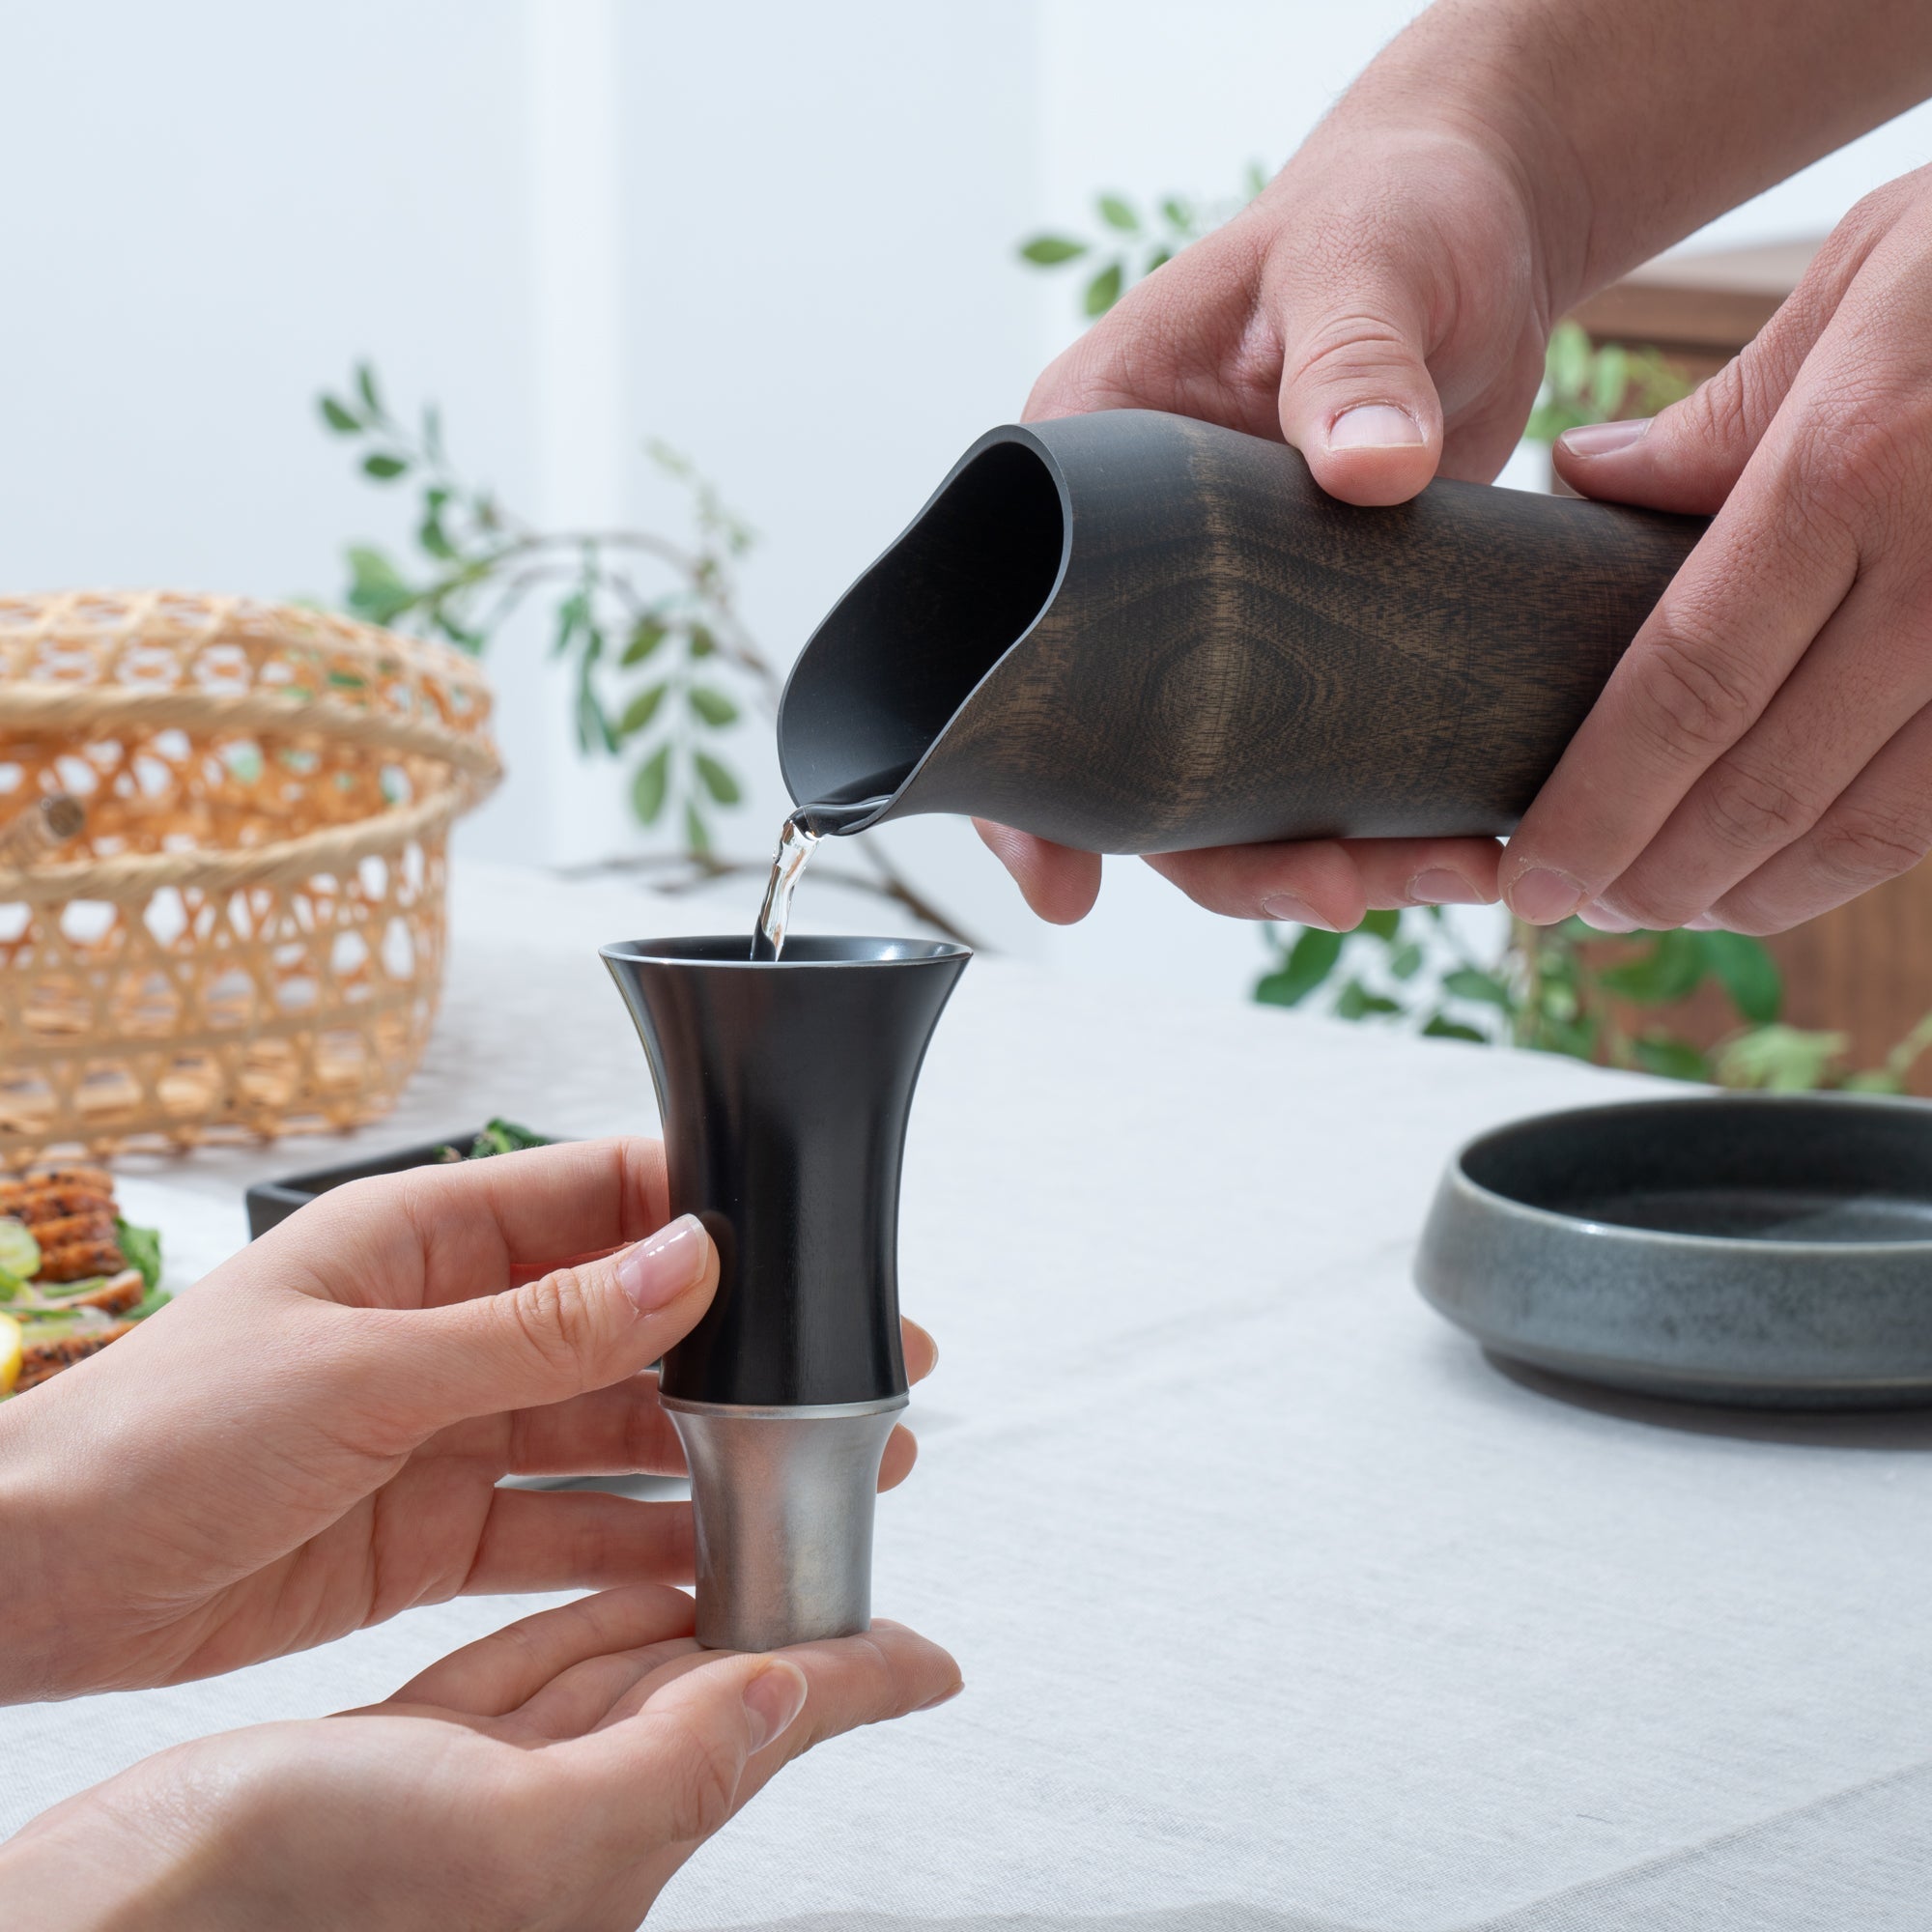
1770 1168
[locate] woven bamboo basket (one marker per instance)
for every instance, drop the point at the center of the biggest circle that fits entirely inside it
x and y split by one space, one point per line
246 938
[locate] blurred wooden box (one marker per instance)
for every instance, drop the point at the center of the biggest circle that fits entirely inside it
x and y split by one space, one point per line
1866 969
1699 310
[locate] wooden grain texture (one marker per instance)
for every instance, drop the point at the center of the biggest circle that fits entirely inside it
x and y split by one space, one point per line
1226 654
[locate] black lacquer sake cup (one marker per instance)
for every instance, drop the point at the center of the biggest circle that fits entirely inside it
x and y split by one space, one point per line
784 1087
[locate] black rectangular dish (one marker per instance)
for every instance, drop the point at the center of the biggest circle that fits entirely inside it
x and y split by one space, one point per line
273 1202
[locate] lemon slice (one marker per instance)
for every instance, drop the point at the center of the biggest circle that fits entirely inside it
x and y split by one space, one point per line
20 1252
10 1353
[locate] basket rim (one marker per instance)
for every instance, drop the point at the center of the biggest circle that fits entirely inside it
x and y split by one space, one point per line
42 706
203 617
136 876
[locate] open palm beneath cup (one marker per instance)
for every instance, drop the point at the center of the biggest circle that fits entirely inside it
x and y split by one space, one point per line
554 1773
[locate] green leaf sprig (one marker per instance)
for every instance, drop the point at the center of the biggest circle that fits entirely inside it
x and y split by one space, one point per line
1385 958
1132 245
1572 990
1586 385
662 664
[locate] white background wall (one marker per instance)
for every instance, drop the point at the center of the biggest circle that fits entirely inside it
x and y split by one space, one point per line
781 238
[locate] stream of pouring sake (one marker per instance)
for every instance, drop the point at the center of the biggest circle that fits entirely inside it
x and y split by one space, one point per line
795 847
822 818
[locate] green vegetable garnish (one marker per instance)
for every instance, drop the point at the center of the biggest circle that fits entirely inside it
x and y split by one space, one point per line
20 1252
76 1322
61 1291
141 1249
503 1136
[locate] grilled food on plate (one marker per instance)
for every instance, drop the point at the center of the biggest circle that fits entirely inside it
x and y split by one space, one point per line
74 1275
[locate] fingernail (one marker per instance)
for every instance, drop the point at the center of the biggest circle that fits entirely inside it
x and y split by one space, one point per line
944 1697
926 1336
663 1265
1601 918
773 1698
1604 439
1375 426
1543 897
1295 911
1438 886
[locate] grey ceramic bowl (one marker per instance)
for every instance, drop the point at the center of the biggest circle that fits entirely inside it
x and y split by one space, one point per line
1764 1250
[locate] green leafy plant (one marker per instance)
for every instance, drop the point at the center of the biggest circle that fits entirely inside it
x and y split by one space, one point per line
661 662
663 666
1586 384
1388 968
1131 246
1571 990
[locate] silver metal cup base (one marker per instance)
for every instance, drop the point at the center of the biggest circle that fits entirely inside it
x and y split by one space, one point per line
783 1505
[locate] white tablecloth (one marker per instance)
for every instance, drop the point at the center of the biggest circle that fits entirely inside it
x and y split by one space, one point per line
1280 1609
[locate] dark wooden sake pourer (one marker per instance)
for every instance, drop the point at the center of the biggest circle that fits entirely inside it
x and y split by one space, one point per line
1132 632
